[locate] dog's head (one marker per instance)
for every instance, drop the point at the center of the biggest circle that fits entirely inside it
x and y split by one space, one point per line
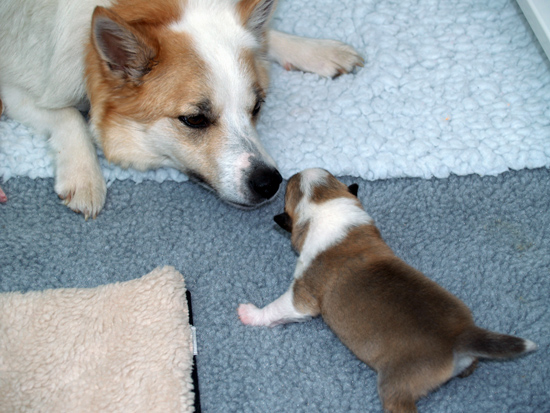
304 192
181 84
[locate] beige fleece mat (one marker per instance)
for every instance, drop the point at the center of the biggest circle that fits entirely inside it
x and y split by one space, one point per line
123 347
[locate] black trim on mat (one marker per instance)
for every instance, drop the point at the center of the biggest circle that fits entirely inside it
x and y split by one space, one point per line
194 374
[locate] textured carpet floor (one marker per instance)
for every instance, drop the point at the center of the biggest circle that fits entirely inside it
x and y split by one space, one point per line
487 240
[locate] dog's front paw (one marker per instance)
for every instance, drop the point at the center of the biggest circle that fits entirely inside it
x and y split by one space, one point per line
328 58
250 315
82 190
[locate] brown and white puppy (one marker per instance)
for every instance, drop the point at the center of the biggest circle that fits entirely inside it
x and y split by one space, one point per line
414 333
169 83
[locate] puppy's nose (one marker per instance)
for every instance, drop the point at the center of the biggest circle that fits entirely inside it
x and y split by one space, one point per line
265 181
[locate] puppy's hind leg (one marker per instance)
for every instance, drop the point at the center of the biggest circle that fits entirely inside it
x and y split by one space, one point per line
395 397
79 180
404 381
328 58
280 311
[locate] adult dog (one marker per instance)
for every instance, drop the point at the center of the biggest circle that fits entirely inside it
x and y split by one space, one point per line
176 83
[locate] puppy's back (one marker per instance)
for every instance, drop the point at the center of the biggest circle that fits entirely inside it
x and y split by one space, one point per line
389 313
380 300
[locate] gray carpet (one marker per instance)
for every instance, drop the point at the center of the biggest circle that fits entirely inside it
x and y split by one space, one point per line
485 239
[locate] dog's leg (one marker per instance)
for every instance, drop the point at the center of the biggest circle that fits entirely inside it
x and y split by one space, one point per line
329 58
78 181
280 311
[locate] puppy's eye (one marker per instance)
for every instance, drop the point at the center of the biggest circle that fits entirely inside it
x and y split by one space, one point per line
196 121
257 108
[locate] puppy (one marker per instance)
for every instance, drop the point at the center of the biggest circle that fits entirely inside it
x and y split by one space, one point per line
169 83
414 333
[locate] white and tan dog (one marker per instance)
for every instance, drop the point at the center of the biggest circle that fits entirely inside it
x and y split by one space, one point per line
176 83
414 333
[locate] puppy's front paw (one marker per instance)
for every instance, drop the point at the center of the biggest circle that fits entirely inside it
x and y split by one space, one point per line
250 315
328 58
83 190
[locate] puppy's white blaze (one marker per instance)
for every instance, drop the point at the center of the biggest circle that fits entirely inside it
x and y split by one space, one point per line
329 223
311 178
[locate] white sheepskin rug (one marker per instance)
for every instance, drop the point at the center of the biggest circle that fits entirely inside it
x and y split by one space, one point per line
123 347
449 87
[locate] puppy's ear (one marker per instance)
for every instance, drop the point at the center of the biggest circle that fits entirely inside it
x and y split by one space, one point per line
353 188
284 221
124 51
255 14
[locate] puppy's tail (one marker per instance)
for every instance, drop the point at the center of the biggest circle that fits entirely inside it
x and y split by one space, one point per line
478 342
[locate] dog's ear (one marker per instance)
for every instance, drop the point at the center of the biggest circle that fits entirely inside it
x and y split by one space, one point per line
353 188
255 14
284 221
125 51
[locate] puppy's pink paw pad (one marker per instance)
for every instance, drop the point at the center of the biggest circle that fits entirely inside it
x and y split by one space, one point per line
248 314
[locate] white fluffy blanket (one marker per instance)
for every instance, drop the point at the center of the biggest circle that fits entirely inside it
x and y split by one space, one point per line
456 86
122 347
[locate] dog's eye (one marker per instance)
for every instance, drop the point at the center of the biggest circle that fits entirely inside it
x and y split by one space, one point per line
195 121
257 108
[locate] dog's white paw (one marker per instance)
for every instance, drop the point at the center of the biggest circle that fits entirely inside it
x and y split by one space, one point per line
328 58
83 190
250 315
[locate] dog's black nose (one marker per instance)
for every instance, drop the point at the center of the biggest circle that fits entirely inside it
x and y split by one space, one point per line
265 181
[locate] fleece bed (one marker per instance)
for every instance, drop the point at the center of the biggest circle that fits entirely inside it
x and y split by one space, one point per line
458 87
122 347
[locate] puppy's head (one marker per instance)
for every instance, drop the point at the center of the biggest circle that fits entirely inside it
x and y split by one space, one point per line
304 190
182 86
